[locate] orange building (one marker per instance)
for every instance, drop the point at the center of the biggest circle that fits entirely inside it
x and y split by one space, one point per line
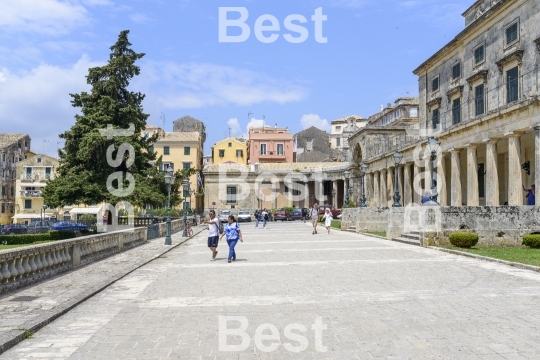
270 145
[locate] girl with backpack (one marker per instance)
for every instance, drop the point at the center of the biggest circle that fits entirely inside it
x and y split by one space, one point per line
256 219
233 233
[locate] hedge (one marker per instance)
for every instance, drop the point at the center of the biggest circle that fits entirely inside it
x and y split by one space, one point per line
463 239
532 240
22 239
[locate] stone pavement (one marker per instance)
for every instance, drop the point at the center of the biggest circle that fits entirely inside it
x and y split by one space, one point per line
34 306
377 299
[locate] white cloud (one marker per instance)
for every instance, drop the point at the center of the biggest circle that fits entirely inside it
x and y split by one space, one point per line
140 19
309 120
234 126
38 102
43 16
197 85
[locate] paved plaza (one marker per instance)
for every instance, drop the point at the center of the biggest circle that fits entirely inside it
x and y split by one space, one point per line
373 299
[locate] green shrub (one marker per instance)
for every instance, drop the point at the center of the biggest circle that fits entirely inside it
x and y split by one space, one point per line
289 209
21 239
60 235
532 240
463 239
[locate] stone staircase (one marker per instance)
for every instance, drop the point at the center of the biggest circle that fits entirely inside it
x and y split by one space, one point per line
412 238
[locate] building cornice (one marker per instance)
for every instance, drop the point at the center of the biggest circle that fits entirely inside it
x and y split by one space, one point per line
516 55
491 11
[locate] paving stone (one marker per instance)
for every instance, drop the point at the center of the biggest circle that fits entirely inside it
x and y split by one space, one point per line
377 299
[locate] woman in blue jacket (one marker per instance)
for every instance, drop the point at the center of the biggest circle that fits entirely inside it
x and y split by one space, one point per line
233 233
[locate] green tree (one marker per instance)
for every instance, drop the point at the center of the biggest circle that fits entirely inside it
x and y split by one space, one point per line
83 172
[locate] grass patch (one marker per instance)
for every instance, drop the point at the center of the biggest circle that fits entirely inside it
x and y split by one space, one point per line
518 254
7 247
378 233
336 224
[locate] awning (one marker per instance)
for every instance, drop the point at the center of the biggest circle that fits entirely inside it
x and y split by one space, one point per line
85 210
26 216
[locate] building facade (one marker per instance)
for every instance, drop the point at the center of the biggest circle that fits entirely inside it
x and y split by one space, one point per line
403 113
32 177
182 150
230 149
13 149
479 98
339 125
270 145
313 145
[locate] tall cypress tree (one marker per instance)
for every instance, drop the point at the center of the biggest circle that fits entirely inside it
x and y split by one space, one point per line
83 172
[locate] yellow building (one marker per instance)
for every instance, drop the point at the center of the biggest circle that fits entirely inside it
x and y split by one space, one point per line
32 176
231 149
182 150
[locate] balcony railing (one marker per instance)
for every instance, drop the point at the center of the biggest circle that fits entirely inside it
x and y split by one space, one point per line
30 193
36 176
272 153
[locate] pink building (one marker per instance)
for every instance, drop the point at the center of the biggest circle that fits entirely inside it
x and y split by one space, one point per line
270 145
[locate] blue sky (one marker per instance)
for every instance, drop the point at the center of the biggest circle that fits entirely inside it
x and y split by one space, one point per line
47 46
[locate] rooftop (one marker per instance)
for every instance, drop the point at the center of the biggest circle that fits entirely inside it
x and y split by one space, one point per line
180 136
343 120
301 167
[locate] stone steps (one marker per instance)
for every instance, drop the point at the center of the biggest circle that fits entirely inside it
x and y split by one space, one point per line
351 229
410 239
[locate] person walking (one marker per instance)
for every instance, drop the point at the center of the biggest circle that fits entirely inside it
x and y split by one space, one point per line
314 214
213 233
530 194
233 233
265 217
328 220
257 215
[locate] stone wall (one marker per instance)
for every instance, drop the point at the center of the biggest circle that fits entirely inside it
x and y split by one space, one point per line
365 219
495 225
34 263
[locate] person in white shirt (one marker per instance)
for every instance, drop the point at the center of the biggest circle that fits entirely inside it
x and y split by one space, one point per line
328 220
213 233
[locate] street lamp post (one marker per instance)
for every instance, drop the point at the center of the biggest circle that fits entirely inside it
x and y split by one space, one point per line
185 186
334 198
42 214
169 180
433 147
363 199
397 160
347 174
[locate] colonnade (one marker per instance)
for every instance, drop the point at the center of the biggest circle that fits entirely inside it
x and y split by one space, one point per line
459 173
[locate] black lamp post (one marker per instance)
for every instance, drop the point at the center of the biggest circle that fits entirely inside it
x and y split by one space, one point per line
397 160
363 168
334 197
433 147
42 213
169 180
185 186
347 174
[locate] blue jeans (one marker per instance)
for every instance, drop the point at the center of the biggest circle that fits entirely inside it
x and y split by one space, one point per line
264 223
256 222
232 243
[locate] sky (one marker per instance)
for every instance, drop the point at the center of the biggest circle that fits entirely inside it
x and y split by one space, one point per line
357 59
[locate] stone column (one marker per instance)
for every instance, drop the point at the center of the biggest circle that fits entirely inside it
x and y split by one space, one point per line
383 201
441 171
407 184
537 162
455 182
368 184
472 177
492 174
400 184
376 189
390 187
515 182
415 185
